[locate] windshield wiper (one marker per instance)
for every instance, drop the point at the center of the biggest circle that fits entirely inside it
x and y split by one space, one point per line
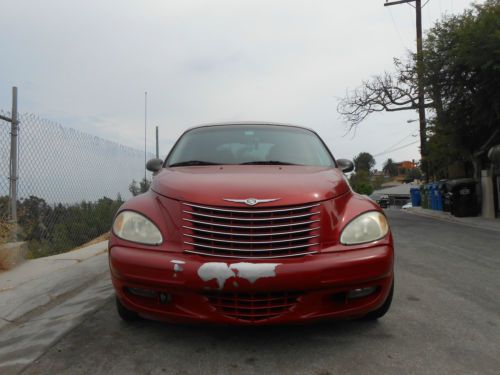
192 162
267 162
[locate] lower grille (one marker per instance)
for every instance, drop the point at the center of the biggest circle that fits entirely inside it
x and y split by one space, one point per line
267 232
253 307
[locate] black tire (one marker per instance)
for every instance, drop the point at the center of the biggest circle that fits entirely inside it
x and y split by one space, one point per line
382 310
126 314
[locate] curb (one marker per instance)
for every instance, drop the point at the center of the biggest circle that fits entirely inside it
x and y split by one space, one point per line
474 222
44 281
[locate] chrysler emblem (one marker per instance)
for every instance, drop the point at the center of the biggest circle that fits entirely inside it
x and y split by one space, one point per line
251 201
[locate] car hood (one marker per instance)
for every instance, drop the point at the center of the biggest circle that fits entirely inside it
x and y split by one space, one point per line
211 184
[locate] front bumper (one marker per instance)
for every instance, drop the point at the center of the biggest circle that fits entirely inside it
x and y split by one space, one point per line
318 283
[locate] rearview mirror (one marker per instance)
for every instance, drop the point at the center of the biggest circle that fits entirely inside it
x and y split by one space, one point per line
345 165
154 165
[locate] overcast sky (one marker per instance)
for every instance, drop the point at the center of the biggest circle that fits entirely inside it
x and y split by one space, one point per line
87 64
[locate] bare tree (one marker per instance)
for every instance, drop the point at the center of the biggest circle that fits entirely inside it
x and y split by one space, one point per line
387 92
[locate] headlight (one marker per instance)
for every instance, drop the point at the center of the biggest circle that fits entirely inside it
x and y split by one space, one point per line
134 227
368 227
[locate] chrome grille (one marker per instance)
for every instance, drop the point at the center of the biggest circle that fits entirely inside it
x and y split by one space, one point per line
253 307
275 232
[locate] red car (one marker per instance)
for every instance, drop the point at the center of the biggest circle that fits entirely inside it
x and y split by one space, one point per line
251 224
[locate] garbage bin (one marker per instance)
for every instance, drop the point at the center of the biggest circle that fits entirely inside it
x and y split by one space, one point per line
415 197
428 189
463 197
440 192
423 197
432 192
447 196
448 201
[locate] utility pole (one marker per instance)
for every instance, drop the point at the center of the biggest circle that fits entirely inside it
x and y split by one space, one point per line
420 80
157 144
145 131
13 162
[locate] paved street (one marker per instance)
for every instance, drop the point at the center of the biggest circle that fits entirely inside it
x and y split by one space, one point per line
444 320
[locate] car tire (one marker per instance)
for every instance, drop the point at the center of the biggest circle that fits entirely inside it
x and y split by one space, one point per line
382 310
126 314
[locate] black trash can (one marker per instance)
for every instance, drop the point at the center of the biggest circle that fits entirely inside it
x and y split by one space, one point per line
445 201
462 196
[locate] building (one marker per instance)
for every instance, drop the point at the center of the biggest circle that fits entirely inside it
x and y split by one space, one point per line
403 172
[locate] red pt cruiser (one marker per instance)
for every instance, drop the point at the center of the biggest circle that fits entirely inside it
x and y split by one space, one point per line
251 224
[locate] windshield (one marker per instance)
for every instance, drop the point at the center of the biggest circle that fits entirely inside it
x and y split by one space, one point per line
250 144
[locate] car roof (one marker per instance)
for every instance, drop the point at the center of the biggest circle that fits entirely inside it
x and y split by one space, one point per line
243 123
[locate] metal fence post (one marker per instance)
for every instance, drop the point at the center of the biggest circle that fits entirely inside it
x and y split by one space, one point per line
157 144
13 164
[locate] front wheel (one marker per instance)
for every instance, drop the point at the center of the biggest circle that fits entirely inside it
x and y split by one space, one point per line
126 314
382 310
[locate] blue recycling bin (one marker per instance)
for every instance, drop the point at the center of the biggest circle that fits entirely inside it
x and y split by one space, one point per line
423 197
428 187
438 192
434 197
416 198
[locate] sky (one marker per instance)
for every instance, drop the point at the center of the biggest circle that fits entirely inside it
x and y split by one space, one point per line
87 65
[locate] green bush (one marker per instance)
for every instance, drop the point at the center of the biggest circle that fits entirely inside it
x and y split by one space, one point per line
54 229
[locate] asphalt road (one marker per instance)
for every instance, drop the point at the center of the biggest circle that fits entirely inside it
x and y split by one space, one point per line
444 320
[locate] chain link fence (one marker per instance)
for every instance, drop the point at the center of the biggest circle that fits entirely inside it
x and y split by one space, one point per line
5 229
70 183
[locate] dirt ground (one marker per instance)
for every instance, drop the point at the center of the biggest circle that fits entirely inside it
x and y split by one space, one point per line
102 237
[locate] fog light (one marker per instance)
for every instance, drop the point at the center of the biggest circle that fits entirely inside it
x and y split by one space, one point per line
165 298
361 292
143 292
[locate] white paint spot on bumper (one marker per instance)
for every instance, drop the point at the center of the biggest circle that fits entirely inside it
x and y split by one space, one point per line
178 265
254 271
215 270
175 261
249 271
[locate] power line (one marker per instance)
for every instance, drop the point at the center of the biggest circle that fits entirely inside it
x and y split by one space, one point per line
397 29
396 149
412 134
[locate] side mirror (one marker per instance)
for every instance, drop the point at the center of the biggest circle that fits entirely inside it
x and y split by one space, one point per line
154 165
345 165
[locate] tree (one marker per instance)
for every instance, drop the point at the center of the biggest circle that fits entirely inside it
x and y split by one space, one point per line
363 162
51 229
360 182
4 207
390 168
462 74
136 189
462 89
389 92
360 179
413 174
32 215
144 185
377 182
